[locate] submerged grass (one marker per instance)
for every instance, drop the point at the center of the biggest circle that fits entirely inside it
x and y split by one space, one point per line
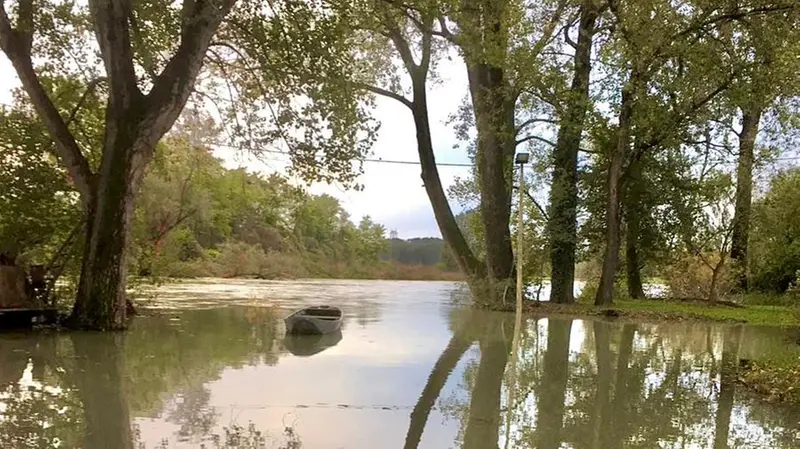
777 380
675 310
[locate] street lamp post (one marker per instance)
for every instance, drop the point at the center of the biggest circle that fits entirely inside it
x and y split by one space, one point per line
521 160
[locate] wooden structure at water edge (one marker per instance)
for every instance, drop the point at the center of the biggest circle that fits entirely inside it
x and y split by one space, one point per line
20 303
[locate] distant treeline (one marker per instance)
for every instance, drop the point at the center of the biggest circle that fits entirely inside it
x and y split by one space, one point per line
196 218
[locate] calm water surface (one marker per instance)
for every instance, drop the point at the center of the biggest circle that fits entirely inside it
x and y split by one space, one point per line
411 369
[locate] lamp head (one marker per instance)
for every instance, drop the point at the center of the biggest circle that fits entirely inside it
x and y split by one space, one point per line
522 158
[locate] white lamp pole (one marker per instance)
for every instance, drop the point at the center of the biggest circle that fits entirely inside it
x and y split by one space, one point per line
521 159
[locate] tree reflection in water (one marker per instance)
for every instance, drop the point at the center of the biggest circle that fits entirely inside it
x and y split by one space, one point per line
628 386
578 384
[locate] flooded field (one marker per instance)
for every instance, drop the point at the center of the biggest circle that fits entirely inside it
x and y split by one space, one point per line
208 365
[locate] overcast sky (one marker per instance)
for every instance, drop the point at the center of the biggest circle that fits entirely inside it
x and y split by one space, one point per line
393 194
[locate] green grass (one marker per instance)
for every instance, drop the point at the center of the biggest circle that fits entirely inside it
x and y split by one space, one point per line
666 310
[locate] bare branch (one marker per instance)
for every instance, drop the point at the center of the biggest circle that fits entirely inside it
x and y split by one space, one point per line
532 137
385 93
535 203
400 43
529 122
445 31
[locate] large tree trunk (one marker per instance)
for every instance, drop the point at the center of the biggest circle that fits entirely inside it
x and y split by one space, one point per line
562 223
605 291
633 209
550 414
493 107
101 301
448 226
744 190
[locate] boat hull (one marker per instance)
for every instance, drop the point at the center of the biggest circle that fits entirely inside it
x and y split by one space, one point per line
313 321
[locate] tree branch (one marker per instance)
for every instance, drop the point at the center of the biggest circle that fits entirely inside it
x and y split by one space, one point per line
386 93
90 88
172 88
535 203
529 122
113 36
16 45
532 137
400 43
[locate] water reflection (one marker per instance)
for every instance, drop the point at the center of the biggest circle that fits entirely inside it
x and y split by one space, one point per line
413 371
595 384
308 345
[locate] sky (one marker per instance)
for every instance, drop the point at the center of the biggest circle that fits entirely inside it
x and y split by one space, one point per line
393 194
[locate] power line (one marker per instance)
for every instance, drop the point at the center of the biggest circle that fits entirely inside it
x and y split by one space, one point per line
379 160
447 164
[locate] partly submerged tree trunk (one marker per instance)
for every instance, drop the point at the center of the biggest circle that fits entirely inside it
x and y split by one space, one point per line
562 222
439 374
633 209
605 291
751 118
550 414
101 300
135 122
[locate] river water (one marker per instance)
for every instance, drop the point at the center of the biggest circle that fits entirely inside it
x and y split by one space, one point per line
207 365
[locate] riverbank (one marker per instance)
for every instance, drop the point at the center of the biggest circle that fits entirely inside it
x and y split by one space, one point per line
675 310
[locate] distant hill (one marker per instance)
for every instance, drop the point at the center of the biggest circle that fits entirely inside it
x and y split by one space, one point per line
418 251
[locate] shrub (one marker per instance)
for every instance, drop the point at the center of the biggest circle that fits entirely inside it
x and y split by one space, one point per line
690 276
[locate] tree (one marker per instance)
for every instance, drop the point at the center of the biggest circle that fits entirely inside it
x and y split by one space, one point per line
562 222
765 89
134 122
648 51
775 241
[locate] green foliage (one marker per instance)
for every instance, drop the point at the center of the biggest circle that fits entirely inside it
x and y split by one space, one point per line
38 207
775 236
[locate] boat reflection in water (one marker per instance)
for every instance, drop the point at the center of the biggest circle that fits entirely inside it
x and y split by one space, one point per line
307 345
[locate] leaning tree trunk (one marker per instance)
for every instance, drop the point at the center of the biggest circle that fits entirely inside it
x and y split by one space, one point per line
633 209
744 191
562 222
459 248
605 291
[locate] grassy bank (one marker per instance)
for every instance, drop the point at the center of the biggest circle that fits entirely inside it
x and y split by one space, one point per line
673 310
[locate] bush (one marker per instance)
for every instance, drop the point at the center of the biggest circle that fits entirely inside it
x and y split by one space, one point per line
690 277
